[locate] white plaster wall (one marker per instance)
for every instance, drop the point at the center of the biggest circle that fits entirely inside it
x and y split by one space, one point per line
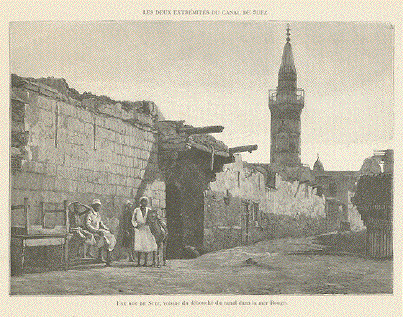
292 199
288 198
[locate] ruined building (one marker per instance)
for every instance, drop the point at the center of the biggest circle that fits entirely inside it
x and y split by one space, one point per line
76 147
189 160
250 202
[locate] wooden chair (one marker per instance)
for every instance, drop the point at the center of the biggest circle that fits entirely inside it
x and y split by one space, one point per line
21 229
29 235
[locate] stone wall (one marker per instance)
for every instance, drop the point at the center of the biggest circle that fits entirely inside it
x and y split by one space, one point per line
77 152
241 209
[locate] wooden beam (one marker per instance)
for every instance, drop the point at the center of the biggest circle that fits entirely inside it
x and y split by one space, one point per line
243 148
204 148
200 130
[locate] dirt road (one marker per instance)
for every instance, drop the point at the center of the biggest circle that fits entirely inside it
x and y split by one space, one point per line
284 266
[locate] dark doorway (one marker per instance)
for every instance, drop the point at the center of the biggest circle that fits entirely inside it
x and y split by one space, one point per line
193 217
174 222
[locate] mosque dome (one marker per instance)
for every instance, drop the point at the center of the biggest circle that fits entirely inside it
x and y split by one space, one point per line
318 166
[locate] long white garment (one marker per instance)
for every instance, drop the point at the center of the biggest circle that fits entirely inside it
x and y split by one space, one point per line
144 240
94 222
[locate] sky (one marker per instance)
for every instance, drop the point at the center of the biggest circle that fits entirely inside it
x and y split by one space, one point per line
219 73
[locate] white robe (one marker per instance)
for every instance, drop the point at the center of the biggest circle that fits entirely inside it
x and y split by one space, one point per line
94 223
144 240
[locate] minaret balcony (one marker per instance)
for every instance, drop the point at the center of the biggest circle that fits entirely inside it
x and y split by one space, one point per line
296 97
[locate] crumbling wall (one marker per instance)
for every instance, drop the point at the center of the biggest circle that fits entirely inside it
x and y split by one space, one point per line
79 153
294 199
292 208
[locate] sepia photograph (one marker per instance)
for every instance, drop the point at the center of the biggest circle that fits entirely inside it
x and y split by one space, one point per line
228 157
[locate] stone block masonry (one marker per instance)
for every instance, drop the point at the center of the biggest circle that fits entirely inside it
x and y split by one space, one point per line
78 153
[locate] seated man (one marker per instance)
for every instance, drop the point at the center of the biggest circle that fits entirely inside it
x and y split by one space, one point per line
77 227
102 237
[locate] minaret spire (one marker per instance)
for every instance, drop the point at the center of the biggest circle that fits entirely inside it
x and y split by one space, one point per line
286 104
287 75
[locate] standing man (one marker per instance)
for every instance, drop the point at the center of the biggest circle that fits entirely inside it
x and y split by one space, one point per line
144 241
127 229
103 237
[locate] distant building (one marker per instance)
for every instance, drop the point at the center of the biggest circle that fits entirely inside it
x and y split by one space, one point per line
249 202
338 187
286 104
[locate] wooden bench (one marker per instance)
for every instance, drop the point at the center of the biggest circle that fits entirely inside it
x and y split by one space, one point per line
27 235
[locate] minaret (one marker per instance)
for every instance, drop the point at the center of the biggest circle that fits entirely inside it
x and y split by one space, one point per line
286 104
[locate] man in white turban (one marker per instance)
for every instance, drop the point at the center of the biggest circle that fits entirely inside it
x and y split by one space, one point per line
103 238
144 241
